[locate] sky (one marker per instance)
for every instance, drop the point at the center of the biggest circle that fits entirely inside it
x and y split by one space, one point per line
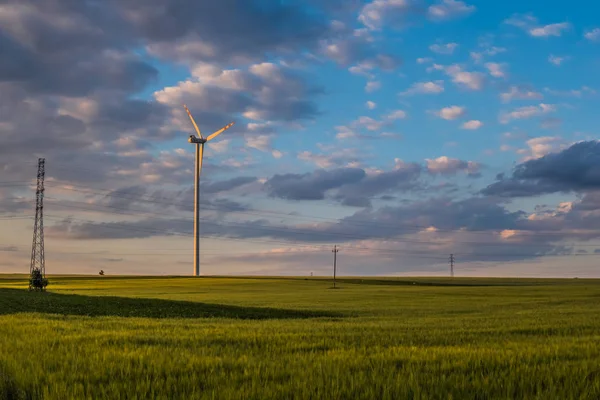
402 131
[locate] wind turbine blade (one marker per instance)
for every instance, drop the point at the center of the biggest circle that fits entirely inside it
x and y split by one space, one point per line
192 119
217 133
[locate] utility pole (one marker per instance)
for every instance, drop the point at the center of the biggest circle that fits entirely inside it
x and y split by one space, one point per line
452 265
334 251
37 268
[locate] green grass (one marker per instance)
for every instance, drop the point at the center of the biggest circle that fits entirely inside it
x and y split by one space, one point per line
273 338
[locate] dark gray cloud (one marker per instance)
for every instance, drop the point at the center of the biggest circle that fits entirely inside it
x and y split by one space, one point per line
359 194
312 186
576 168
223 186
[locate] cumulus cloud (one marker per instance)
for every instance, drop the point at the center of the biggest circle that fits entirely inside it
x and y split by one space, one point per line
263 92
448 9
530 24
311 186
449 166
447 48
472 125
465 79
371 105
395 13
496 70
527 112
372 86
452 112
424 88
572 169
520 93
592 35
556 60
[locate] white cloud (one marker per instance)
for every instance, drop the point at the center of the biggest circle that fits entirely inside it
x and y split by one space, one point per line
470 80
394 115
593 35
472 125
377 13
447 48
527 112
424 60
571 93
371 105
447 165
372 86
467 79
496 70
260 142
540 146
516 92
447 9
556 60
391 135
368 123
277 154
550 30
425 88
477 56
451 113
530 25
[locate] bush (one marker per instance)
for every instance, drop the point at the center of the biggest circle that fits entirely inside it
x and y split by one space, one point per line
37 281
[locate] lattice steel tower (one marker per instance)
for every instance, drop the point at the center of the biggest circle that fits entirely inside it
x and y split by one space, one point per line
38 263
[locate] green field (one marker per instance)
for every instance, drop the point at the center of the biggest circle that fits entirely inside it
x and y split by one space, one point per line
275 338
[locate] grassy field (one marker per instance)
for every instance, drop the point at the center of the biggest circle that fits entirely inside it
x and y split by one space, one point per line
268 338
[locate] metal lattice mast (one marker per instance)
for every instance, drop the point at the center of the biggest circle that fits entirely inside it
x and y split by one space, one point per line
37 248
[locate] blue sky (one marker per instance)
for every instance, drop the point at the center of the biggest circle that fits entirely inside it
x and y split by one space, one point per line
351 118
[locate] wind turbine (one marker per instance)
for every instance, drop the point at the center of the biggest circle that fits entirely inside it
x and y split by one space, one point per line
199 142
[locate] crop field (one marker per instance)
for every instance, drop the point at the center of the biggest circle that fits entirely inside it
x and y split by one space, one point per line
297 338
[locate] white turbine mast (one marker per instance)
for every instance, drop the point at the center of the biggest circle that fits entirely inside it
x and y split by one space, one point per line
199 142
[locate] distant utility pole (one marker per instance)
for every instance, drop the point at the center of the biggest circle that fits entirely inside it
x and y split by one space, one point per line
37 268
452 265
334 251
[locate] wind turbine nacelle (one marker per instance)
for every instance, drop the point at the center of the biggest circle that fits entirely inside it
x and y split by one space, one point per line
194 139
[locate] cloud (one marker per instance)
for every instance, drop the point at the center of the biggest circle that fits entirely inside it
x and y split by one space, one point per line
448 9
520 93
571 93
424 60
496 70
311 186
450 166
526 112
572 169
447 48
263 92
371 105
477 56
550 30
530 24
394 13
424 88
592 35
472 125
372 86
452 112
556 60
337 158
464 79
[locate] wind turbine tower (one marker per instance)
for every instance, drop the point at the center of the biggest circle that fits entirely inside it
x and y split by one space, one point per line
199 142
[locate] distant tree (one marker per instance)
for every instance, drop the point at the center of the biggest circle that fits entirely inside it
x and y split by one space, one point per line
101 272
37 281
